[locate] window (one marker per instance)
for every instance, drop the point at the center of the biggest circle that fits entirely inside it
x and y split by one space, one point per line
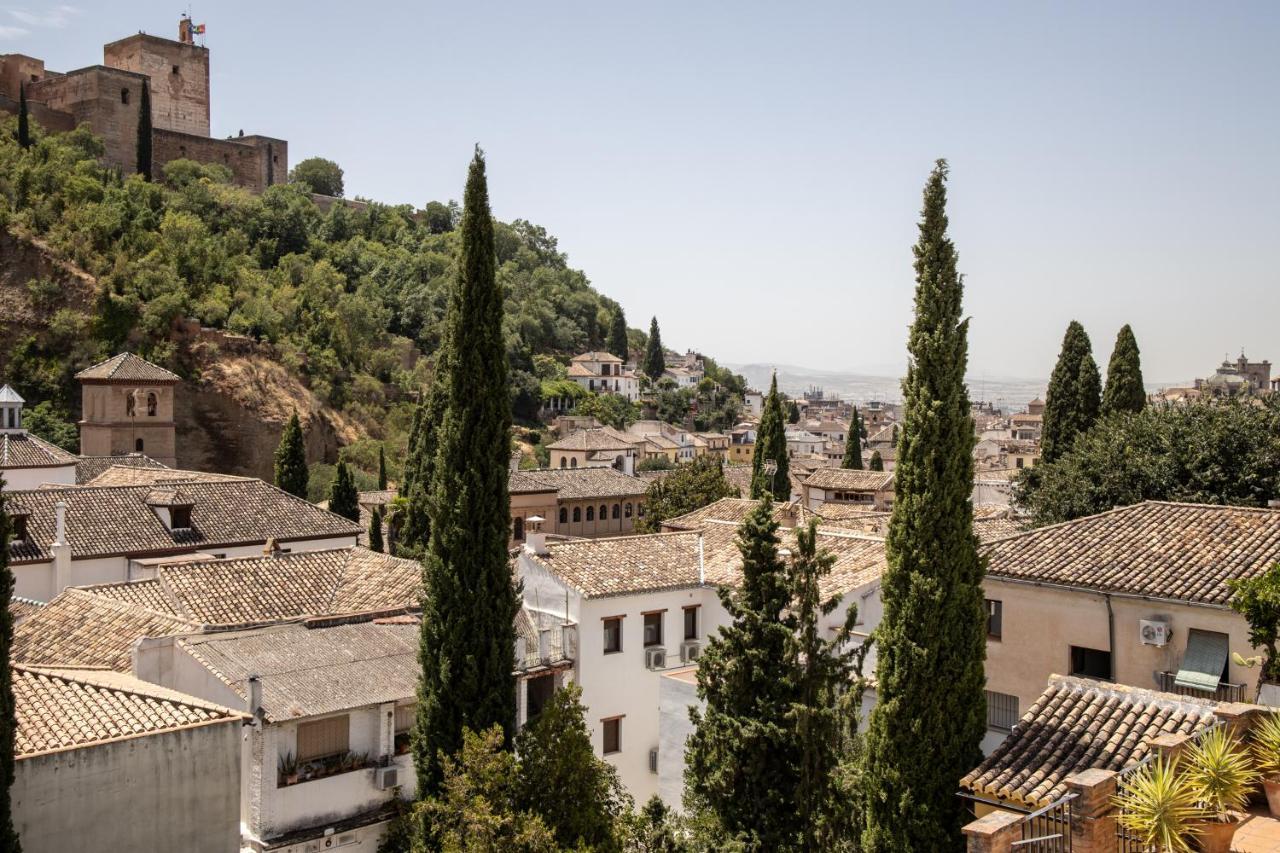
18 526
617 510
653 628
591 513
691 622
1017 463
153 403
604 512
573 463
1090 663
995 618
612 729
626 510
577 514
180 516
612 635
1002 711
137 446
517 528
564 514
130 405
175 69
404 717
563 461
322 738
124 96
538 693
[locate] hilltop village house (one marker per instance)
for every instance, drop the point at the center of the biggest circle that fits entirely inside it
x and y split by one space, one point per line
107 98
604 373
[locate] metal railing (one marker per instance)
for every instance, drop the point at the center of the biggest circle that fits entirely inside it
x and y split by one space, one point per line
1226 692
1048 830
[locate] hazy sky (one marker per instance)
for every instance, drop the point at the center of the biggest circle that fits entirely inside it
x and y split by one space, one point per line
751 172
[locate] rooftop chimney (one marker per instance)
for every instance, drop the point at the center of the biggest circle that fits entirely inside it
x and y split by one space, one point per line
60 550
255 696
271 548
535 541
60 523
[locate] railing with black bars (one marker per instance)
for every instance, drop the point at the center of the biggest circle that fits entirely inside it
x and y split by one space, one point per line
1225 692
1048 830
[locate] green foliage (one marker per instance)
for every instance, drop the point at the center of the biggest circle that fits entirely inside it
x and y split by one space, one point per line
921 739
793 412
1125 391
143 146
467 664
53 425
318 175
1220 772
476 808
1073 400
690 486
1265 746
876 463
655 463
610 409
853 444
618 335
653 829
24 118
1212 451
577 795
771 447
655 362
8 715
382 468
344 498
1257 599
375 530
291 459
1159 804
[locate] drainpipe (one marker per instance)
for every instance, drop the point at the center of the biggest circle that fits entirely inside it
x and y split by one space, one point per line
702 569
1111 634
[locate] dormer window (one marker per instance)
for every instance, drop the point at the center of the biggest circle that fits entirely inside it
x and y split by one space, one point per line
18 527
180 517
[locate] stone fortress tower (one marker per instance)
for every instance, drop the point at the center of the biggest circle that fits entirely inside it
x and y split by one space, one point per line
127 407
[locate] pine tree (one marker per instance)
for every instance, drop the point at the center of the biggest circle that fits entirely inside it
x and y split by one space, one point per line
742 760
467 663
1072 402
24 120
618 335
655 362
375 530
771 446
876 462
382 464
144 132
8 715
1125 390
853 444
578 796
344 498
923 737
291 460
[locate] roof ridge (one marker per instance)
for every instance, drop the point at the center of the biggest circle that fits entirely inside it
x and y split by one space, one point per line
608 539
162 693
117 604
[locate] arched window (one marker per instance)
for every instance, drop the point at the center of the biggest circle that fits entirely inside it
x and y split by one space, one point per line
137 446
563 461
517 528
604 512
564 515
152 403
626 510
130 404
573 463
577 514
591 513
617 511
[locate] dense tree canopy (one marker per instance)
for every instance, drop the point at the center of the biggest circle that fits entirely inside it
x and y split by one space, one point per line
318 175
1072 402
690 486
344 497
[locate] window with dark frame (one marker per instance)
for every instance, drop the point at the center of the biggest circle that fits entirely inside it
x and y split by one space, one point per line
1090 663
564 515
995 618
612 730
1002 711
612 635
653 629
691 622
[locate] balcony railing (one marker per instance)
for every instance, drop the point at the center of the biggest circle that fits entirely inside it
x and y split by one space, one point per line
1226 692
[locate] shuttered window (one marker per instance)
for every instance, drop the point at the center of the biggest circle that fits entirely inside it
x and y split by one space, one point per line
404 717
321 738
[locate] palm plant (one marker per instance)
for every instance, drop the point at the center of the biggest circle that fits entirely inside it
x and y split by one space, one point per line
1220 772
1159 805
1266 746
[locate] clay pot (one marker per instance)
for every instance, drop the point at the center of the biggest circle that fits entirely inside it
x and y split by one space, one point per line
1215 836
1272 787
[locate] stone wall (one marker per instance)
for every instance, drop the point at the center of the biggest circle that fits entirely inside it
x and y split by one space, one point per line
256 162
52 121
179 79
106 99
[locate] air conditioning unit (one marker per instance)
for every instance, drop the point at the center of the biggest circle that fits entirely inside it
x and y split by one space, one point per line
653 760
386 777
690 650
655 658
1154 633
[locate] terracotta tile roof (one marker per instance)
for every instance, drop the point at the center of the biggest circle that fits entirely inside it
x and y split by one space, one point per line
24 450
735 511
599 438
994 528
527 483
1164 550
1079 724
740 476
62 709
128 367
596 356
116 520
90 467
1003 475
142 475
23 608
624 565
850 480
378 498
580 370
582 483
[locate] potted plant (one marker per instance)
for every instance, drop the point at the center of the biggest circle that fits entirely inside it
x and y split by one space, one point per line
1222 776
1258 601
288 769
1159 806
1266 758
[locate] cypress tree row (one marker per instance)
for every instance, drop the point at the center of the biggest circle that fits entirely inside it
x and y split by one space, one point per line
8 714
654 361
467 663
877 461
291 460
144 132
1125 390
1073 399
382 469
618 335
771 446
24 120
344 498
930 714
375 530
420 461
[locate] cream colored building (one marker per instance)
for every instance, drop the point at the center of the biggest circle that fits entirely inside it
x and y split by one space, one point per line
604 373
602 447
862 488
127 407
27 461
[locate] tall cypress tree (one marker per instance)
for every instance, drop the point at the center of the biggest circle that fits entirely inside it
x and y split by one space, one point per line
853 444
467 662
144 132
742 761
8 714
24 120
876 463
382 460
793 412
654 360
1073 399
291 459
930 712
375 530
771 446
1125 390
420 461
618 335
344 498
